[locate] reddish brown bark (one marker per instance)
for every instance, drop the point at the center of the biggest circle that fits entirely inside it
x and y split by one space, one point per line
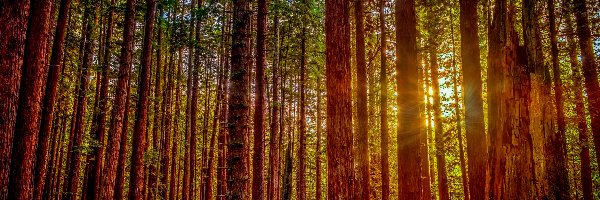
27 126
589 68
167 109
362 137
13 23
259 105
301 176
49 99
472 84
511 154
237 166
119 106
137 182
173 192
408 100
119 187
340 165
383 107
274 127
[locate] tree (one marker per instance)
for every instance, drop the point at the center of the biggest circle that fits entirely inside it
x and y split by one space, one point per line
340 165
274 127
589 68
137 178
27 123
584 154
259 104
472 84
362 178
301 176
50 98
408 100
115 130
511 153
383 107
237 170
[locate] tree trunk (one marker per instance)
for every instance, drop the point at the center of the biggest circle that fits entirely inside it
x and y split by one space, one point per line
49 99
237 169
78 133
119 106
301 176
98 130
424 159
511 154
340 165
119 187
27 124
555 142
383 107
174 192
438 124
137 175
259 104
319 190
274 142
165 153
158 102
190 124
408 100
590 71
584 154
472 84
362 175
13 24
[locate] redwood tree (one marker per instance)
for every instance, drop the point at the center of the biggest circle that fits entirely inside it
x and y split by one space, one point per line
237 169
340 164
13 23
472 86
119 106
383 107
408 100
362 177
27 124
137 176
590 69
259 104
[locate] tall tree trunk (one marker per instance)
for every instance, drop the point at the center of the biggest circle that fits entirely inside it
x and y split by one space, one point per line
174 192
584 154
119 187
89 21
438 124
13 23
472 84
98 130
555 142
119 106
362 177
301 176
424 161
27 126
383 107
511 154
237 169
408 100
319 190
187 176
158 101
259 104
137 180
340 165
222 140
165 153
459 135
274 142
49 99
590 71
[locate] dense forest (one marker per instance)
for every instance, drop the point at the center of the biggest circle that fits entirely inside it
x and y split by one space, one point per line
299 99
